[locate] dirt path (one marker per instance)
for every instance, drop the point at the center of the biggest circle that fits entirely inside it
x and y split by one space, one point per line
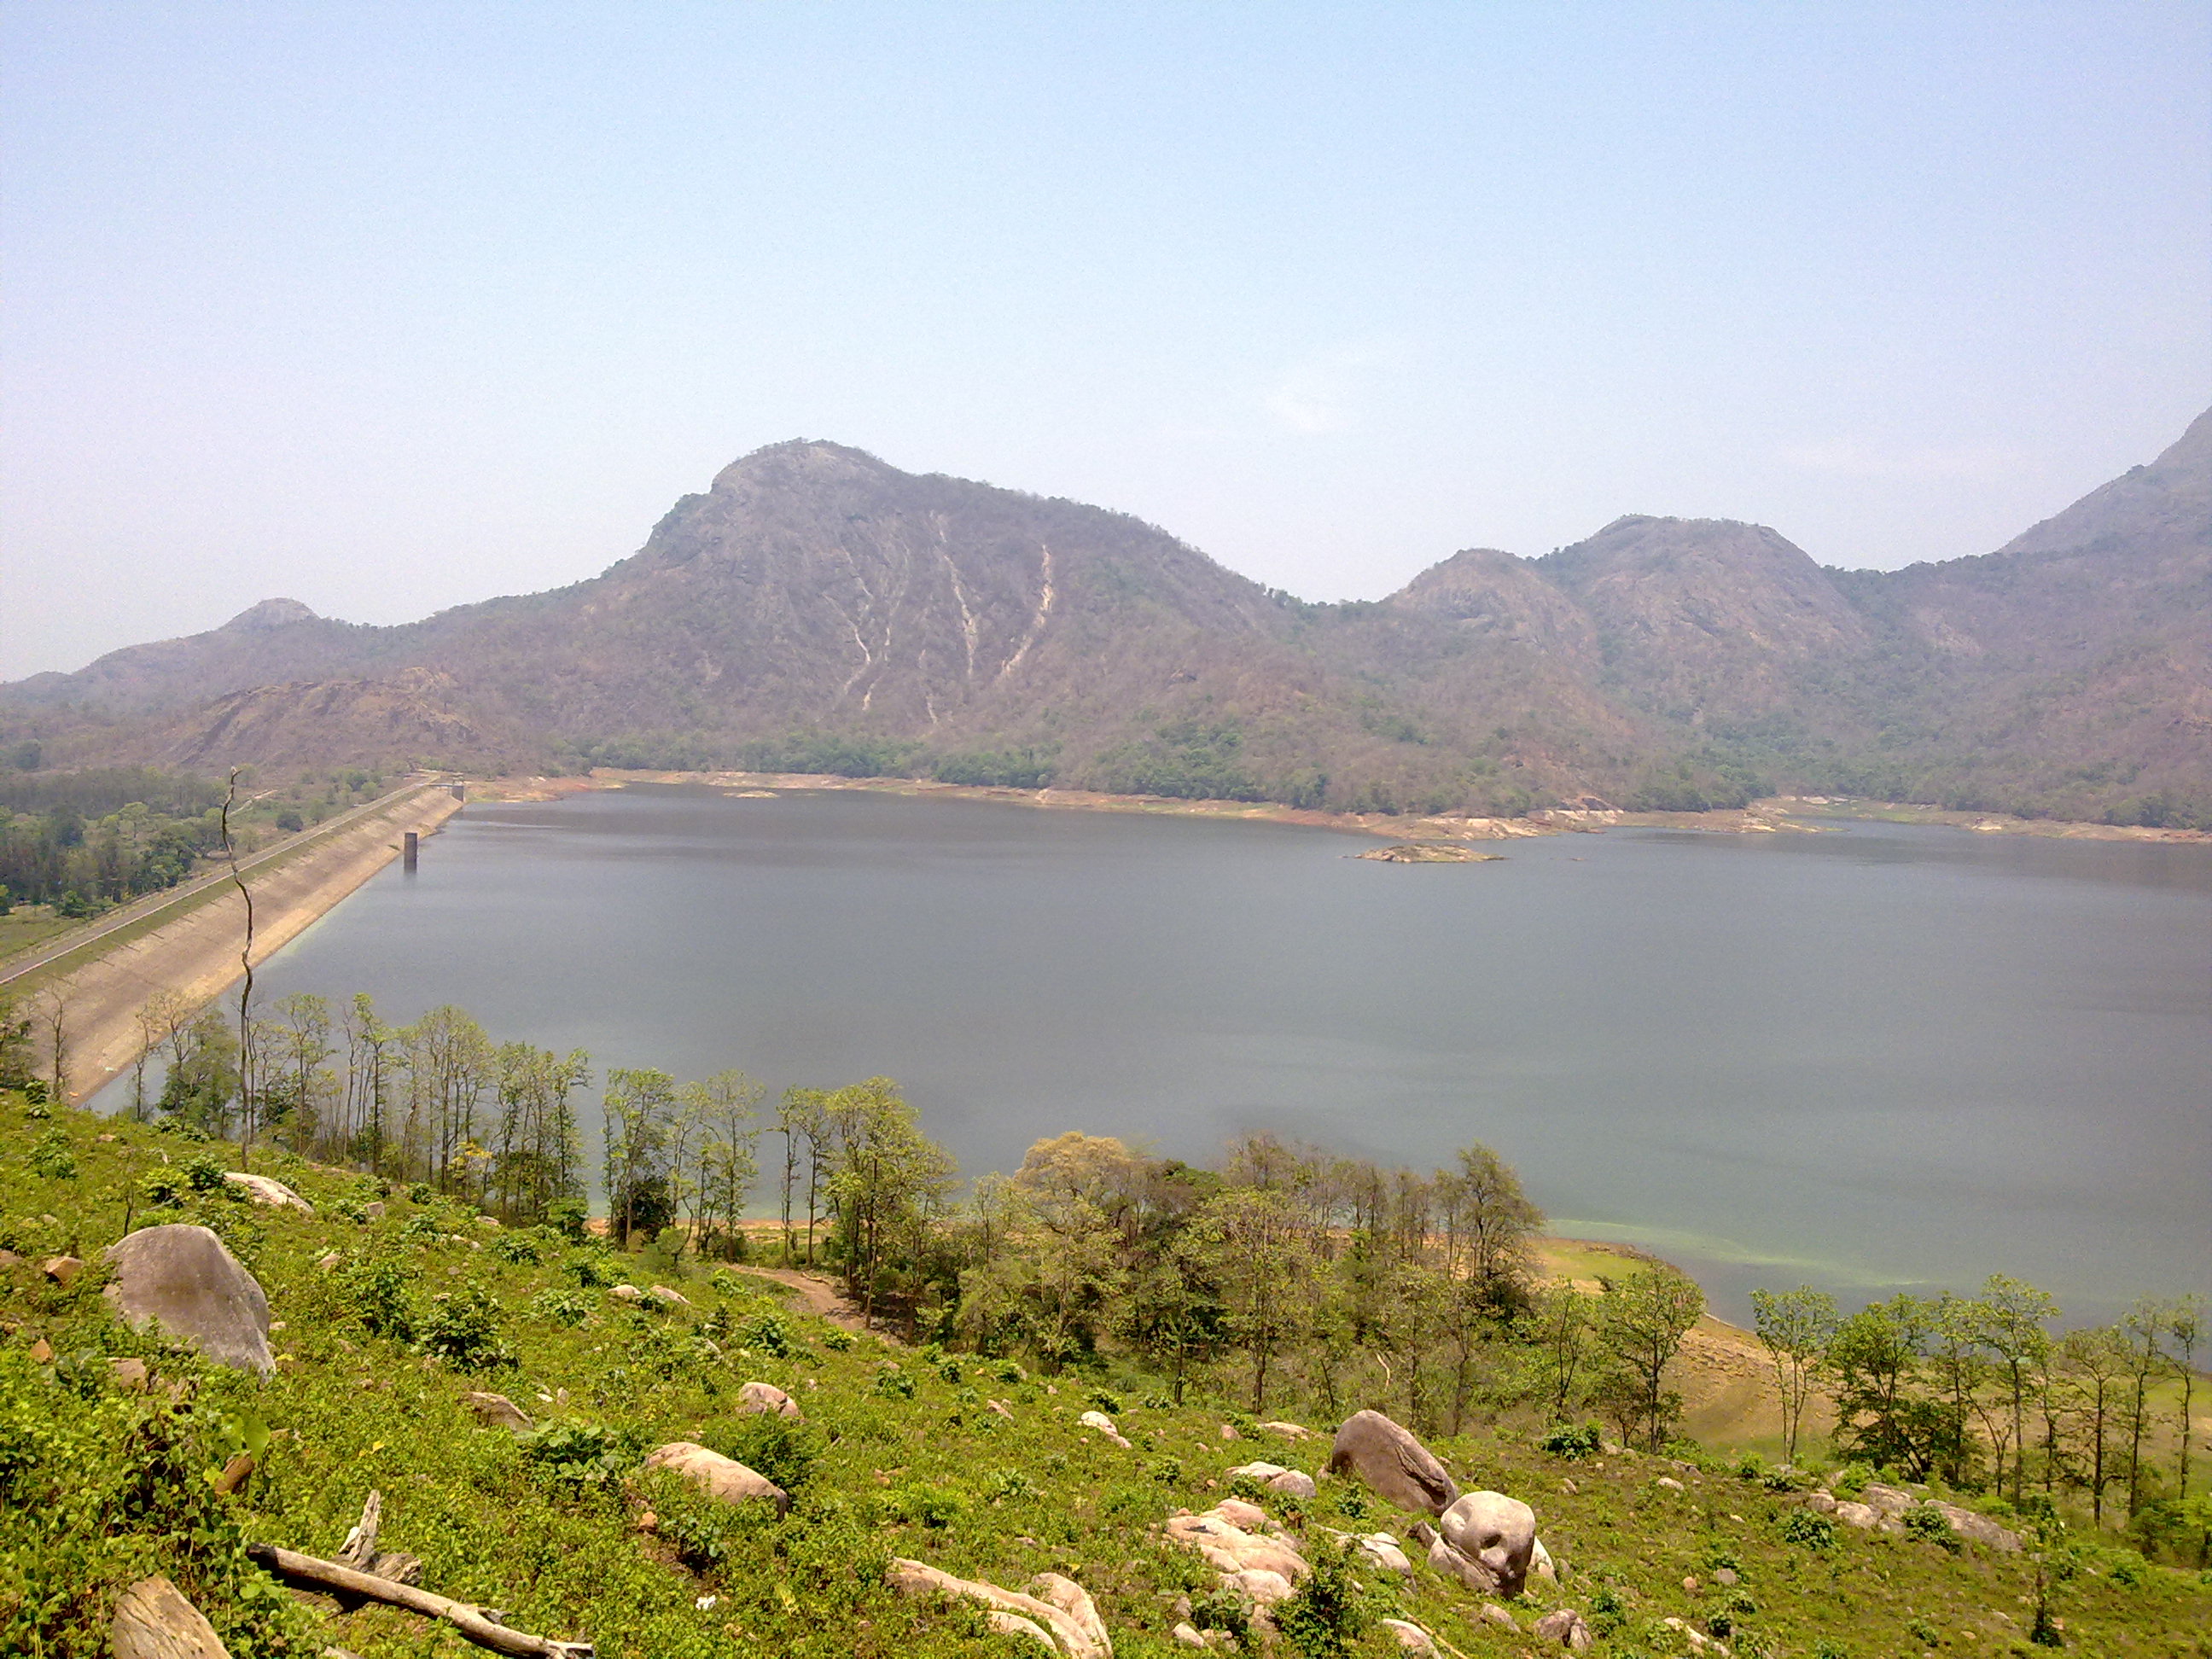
196 953
821 1296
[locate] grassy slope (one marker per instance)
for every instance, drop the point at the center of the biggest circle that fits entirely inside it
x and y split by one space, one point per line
938 1477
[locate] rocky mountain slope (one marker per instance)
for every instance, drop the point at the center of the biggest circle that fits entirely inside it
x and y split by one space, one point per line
817 609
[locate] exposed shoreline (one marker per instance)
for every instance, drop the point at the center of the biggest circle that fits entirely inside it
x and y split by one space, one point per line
1780 814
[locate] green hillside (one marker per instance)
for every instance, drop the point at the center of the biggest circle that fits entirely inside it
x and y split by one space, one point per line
383 1323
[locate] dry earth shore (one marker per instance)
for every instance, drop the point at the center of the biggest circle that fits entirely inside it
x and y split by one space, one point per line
195 952
1801 814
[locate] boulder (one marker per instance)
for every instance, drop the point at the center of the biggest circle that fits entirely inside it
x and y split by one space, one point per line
1410 1638
1059 1615
723 1478
1292 1483
9 1259
153 1621
1395 1465
1186 1634
755 1397
1495 1532
1378 1549
1822 1503
1979 1527
626 1293
1886 1499
1862 1516
1287 1431
1567 1628
1238 1513
374 1211
1494 1615
1672 1484
129 1374
181 1278
62 1269
266 1189
497 1411
1261 1586
1233 1550
668 1297
1103 1425
1540 1563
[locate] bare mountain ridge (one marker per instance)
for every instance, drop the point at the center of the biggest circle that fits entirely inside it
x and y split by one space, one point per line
919 620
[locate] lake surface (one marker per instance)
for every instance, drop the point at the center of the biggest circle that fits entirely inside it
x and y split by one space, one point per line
1887 1055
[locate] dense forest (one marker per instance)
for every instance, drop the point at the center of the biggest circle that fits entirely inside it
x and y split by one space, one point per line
82 841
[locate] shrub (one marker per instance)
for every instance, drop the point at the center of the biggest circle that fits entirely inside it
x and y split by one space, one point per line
1809 1531
573 1457
1331 1609
785 1449
1926 1522
560 1307
374 1291
1565 1440
204 1175
53 1159
462 1328
518 1248
1106 1402
837 1340
934 1506
767 1333
593 1270
163 1189
894 1385
419 1192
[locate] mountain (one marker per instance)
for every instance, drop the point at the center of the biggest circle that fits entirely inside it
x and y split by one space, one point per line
817 609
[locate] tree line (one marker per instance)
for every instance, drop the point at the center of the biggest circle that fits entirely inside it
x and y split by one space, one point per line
1287 1277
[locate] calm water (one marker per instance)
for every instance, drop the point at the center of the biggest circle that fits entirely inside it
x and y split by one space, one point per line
1887 1055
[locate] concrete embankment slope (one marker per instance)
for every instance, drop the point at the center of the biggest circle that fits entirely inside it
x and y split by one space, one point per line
195 952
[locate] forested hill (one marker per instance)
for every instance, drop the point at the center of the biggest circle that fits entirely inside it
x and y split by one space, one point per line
818 610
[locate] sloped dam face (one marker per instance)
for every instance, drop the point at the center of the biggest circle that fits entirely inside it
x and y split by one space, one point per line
1883 1055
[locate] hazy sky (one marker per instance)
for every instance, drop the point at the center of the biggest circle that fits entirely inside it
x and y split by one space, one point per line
386 307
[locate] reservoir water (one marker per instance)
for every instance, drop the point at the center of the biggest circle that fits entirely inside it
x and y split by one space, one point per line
1882 1056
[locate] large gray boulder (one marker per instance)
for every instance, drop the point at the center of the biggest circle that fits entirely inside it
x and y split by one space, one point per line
183 1278
1495 1532
1393 1462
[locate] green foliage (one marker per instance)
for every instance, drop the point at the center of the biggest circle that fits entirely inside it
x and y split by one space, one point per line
1565 1440
575 1458
52 1157
560 1307
1331 1609
1002 769
768 1333
463 1327
99 1488
1927 1524
894 1385
1808 1531
786 1449
520 1249
1189 759
834 754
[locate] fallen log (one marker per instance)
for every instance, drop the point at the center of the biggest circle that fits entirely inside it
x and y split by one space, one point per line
480 1626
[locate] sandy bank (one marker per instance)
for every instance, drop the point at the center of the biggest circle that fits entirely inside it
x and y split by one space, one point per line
1779 815
195 952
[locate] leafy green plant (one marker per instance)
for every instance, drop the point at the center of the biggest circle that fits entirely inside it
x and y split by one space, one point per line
559 1306
1331 1609
767 1332
1566 1440
518 1249
204 1175
894 1385
1808 1531
786 1449
837 1340
53 1159
1925 1522
573 1457
462 1329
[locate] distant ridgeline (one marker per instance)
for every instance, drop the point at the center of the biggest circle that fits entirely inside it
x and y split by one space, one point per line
817 611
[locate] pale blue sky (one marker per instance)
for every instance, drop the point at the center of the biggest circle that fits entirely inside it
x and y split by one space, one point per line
387 307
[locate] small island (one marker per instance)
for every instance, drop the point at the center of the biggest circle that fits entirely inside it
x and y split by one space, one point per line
1429 852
